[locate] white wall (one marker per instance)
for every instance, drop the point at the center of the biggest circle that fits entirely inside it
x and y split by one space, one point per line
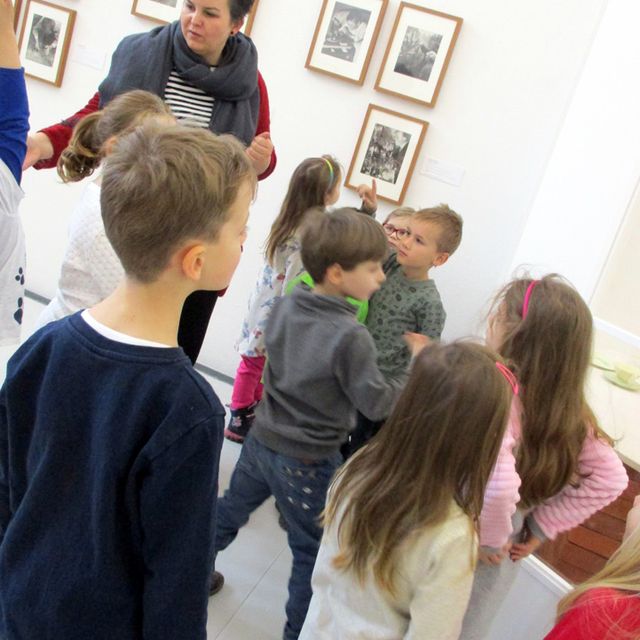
501 108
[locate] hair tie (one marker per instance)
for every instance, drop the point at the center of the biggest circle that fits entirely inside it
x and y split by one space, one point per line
527 298
330 169
509 377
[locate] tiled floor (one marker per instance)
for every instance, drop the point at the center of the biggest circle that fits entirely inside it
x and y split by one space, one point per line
256 566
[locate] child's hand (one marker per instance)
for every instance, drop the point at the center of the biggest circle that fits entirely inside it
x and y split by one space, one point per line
520 550
39 147
369 195
259 152
416 342
486 557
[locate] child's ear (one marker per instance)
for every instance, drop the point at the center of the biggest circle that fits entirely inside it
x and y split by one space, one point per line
440 259
192 261
334 274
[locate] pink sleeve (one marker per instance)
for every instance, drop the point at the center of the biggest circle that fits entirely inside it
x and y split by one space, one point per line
604 479
501 495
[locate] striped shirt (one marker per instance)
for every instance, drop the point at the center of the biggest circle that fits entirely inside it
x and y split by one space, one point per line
188 102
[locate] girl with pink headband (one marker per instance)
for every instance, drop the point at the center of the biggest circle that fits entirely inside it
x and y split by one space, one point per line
567 466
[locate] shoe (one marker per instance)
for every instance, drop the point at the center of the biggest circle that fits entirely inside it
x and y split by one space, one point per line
216 583
240 423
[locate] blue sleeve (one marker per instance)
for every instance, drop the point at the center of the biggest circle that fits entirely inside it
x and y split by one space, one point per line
5 509
14 120
178 508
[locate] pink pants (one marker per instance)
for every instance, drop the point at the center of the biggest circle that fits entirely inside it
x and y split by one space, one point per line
247 386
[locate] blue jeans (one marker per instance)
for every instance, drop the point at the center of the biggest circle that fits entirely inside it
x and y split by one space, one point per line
300 489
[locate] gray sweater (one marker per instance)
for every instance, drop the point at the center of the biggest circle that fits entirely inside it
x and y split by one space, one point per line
321 367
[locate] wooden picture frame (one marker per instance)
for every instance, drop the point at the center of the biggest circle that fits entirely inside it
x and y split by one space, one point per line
418 53
248 21
387 150
45 38
162 11
17 6
344 38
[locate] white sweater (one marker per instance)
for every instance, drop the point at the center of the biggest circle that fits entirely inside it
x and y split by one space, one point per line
90 268
433 587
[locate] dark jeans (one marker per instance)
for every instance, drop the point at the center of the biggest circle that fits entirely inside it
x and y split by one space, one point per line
364 431
194 321
300 489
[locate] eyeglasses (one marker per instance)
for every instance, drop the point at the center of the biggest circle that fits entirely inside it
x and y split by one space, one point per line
398 232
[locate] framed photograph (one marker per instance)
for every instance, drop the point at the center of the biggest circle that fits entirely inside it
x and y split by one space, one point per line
387 150
162 11
344 38
418 53
248 21
44 40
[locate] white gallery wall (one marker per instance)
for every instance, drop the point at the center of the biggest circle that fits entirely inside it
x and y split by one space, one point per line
499 116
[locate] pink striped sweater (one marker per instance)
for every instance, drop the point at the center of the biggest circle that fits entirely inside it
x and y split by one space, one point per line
604 479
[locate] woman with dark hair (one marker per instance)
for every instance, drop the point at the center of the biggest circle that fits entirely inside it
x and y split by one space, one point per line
206 71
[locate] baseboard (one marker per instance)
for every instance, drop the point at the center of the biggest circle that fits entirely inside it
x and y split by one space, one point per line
544 574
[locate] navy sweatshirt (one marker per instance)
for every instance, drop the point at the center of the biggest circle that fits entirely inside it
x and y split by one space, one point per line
109 459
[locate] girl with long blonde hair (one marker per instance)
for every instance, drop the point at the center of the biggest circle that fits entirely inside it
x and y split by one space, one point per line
567 466
398 552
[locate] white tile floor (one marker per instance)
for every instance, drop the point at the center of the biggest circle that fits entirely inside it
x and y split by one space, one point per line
256 566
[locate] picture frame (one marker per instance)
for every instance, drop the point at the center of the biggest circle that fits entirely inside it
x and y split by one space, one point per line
418 53
44 41
162 11
344 38
248 22
387 150
165 11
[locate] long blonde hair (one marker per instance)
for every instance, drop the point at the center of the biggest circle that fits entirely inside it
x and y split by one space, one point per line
548 342
622 572
86 148
311 182
438 446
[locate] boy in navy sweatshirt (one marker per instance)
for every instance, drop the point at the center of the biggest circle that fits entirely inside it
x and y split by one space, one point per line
109 440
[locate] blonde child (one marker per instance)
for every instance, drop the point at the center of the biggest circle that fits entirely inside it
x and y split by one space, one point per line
398 551
395 227
607 606
316 182
90 269
408 301
566 464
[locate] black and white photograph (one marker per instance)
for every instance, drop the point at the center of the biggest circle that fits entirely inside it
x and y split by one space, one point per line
387 150
162 11
418 54
346 31
44 40
344 38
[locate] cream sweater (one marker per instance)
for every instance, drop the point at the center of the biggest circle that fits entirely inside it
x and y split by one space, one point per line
435 575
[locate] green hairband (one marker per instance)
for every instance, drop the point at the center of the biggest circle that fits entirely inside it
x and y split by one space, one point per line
330 168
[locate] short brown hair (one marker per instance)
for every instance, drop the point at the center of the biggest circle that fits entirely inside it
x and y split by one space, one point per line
165 185
344 236
450 224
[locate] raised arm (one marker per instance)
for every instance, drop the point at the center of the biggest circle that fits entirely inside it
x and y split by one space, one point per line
45 146
14 107
262 151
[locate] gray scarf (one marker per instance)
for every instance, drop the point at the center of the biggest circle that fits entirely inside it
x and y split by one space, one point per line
145 61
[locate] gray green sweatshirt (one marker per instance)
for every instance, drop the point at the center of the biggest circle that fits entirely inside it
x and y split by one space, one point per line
321 368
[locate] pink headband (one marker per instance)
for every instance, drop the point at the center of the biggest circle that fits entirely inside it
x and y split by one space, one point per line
527 298
509 377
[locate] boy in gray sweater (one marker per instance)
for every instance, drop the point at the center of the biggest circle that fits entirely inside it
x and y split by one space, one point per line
321 368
